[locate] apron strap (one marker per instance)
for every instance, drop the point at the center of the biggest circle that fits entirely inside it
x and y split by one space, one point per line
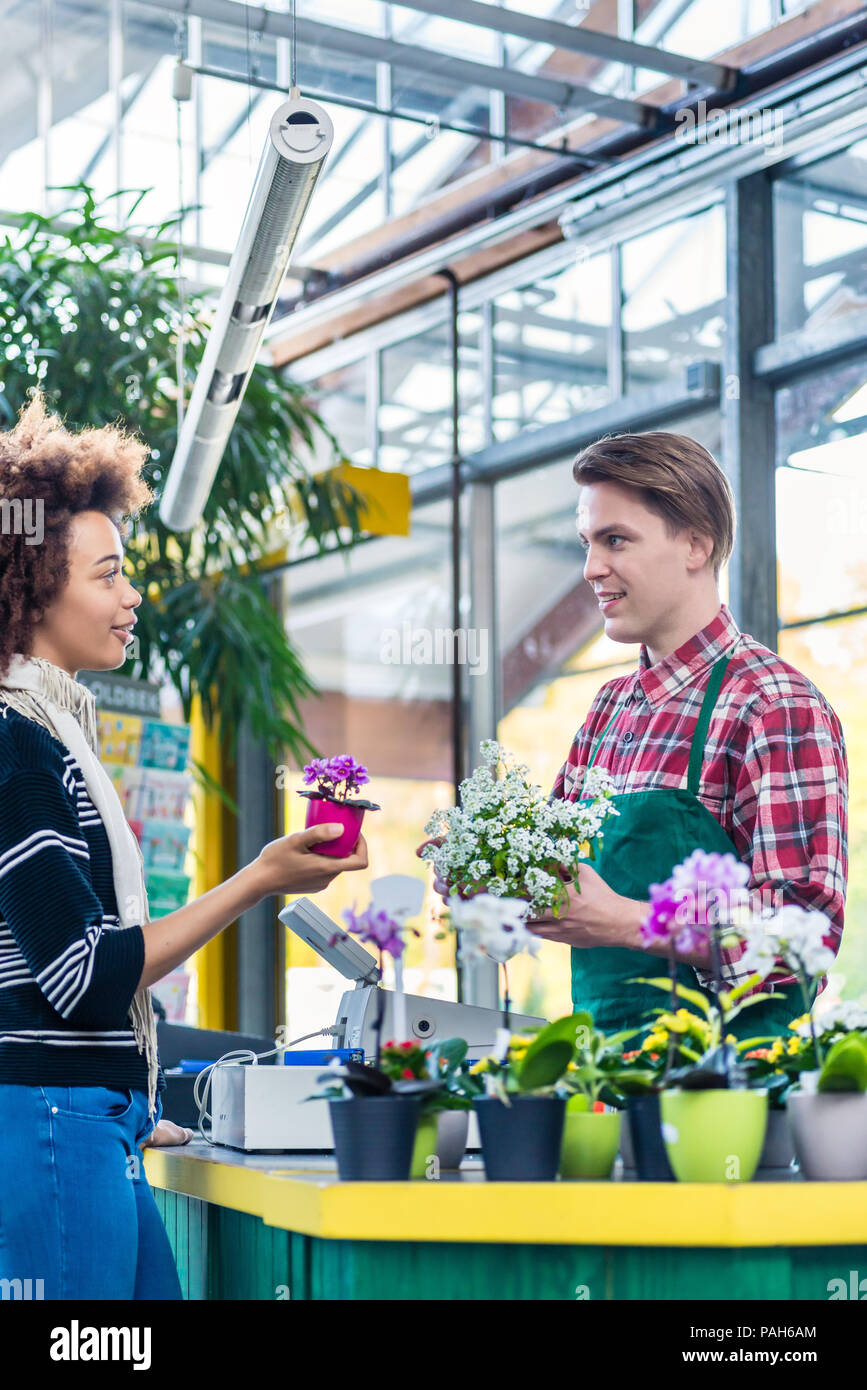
696 755
604 732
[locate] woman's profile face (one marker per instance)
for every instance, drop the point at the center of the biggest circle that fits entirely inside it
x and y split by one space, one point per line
89 626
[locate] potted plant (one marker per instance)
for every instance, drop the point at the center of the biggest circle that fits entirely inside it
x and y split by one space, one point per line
512 1090
713 1123
329 801
591 1137
506 839
441 1136
828 1114
375 1109
520 1108
374 1118
447 1062
826 1102
792 1066
712 1120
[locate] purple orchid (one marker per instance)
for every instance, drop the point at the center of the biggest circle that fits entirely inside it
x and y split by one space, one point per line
382 930
703 891
316 770
330 773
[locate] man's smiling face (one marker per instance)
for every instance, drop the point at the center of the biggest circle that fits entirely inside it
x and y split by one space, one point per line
641 574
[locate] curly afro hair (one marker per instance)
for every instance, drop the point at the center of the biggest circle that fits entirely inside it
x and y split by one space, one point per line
43 462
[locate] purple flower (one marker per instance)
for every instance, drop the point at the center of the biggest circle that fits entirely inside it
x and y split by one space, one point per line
376 927
345 769
330 773
660 921
316 770
702 891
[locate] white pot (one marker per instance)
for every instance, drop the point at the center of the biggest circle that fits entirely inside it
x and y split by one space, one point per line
830 1135
452 1128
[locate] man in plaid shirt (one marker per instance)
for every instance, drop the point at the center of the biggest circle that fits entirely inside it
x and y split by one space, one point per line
656 518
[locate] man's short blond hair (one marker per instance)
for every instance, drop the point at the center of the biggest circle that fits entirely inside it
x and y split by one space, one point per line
676 477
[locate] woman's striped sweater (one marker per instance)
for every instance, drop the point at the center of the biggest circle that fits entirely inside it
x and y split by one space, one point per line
68 970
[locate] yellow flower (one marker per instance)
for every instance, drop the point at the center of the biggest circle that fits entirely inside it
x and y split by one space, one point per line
730 1038
480 1066
776 1050
796 1022
793 1046
584 849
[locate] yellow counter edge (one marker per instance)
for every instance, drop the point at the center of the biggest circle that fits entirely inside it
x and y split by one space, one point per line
563 1213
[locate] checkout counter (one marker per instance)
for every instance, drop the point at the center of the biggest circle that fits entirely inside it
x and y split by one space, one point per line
281 1225
257 1226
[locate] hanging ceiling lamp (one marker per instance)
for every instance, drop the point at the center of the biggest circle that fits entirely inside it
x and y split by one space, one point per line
299 138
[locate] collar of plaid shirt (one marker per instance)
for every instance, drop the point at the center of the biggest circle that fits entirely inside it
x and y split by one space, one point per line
658 683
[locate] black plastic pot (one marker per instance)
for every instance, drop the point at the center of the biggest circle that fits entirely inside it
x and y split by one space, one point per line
374 1137
521 1142
645 1127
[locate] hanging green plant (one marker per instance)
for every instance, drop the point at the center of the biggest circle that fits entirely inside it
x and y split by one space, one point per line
90 313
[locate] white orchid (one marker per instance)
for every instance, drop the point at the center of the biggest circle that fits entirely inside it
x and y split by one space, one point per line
847 1016
492 926
795 935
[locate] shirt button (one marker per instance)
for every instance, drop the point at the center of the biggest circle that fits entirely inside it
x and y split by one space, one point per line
628 736
54 1109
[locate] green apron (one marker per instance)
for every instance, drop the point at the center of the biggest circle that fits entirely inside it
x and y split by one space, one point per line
656 830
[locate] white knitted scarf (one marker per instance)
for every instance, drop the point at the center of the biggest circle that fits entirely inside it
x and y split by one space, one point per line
47 694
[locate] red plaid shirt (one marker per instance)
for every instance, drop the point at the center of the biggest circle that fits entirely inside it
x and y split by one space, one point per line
774 773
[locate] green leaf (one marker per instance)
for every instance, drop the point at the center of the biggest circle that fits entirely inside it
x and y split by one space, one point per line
745 1004
845 1066
692 996
551 1051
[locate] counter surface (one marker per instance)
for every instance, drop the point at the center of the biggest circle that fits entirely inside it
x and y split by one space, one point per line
302 1193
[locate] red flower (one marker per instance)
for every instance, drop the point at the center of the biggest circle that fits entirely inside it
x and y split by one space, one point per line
390 1043
407 1073
407 1046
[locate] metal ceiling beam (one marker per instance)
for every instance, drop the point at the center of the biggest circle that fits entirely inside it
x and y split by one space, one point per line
563 96
578 39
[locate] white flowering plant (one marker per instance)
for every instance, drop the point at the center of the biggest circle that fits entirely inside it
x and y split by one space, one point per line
506 839
800 940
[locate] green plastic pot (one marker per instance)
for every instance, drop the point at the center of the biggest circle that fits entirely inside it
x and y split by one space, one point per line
714 1135
425 1146
590 1143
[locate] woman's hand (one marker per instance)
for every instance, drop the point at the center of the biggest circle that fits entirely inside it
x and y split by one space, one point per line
291 864
166 1133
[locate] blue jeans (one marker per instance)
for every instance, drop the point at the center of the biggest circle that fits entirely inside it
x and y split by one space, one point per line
76 1210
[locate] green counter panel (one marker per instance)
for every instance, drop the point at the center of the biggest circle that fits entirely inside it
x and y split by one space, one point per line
224 1254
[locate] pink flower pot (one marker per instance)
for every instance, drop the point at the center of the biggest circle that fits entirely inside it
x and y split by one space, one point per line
323 812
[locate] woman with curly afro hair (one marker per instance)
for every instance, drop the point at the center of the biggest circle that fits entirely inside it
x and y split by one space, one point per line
80 1080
